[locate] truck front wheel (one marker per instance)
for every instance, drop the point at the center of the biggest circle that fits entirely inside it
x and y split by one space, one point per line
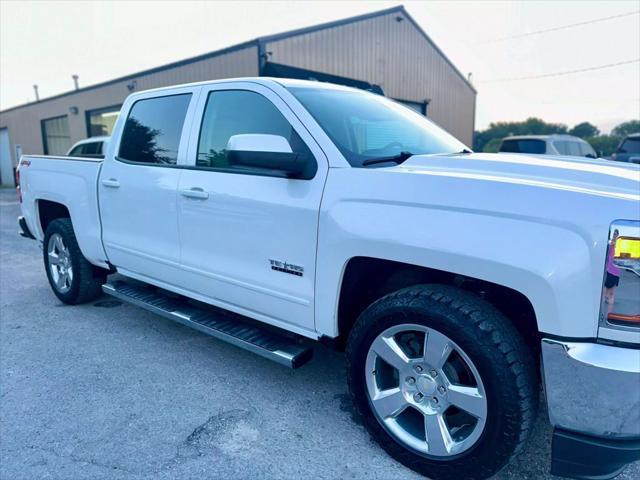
72 278
443 381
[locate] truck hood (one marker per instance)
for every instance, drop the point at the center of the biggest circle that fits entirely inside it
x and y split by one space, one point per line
595 177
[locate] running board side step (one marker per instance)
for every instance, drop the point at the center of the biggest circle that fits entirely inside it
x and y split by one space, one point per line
227 326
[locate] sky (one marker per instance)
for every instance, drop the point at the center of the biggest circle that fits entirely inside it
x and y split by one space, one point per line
45 42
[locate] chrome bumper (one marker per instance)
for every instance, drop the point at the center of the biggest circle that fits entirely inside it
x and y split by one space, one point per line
592 389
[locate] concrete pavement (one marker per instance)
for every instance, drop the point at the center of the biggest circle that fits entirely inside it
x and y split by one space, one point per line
106 390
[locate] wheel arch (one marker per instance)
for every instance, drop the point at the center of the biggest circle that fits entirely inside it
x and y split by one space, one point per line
86 225
49 211
355 295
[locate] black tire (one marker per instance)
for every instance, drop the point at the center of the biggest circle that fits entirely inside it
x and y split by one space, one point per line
498 352
87 281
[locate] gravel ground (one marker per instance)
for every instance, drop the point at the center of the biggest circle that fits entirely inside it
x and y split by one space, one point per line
106 390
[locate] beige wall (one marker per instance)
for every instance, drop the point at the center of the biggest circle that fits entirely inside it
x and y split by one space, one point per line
24 122
389 53
380 50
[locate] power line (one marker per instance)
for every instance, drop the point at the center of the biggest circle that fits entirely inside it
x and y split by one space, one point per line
566 72
590 102
563 27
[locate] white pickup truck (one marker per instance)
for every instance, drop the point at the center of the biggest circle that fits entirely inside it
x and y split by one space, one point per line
275 213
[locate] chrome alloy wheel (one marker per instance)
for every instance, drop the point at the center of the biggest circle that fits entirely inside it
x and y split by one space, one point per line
425 391
60 265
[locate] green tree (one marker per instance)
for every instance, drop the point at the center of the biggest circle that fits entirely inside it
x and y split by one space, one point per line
584 130
626 128
604 144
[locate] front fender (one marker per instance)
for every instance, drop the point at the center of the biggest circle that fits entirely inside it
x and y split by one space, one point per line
553 262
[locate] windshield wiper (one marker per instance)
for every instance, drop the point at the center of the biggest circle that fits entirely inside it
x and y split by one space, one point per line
399 158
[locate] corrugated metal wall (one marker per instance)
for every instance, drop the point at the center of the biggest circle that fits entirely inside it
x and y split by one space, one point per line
24 122
378 49
393 54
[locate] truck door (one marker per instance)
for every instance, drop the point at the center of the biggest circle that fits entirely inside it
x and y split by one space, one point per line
138 184
249 237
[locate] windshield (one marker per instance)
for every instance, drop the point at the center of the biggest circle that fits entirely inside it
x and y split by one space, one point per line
365 126
631 145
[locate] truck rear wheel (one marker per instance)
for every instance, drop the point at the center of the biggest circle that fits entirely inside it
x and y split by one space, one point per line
72 278
443 381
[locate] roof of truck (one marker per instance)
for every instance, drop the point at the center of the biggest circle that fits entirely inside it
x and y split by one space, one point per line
285 82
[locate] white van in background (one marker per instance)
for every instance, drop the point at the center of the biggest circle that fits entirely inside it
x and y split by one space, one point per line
548 145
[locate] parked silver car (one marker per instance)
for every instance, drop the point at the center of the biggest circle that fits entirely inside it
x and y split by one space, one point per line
548 145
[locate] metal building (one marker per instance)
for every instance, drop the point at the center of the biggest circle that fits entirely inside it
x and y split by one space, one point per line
384 51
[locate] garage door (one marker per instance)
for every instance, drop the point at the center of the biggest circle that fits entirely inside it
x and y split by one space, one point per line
6 165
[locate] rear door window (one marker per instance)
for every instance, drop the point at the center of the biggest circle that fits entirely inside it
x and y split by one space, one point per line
574 149
586 150
562 147
568 147
524 146
153 129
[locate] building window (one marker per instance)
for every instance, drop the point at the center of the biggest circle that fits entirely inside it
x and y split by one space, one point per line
100 121
55 135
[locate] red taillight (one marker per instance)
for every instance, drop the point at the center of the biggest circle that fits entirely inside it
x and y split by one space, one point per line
18 191
21 164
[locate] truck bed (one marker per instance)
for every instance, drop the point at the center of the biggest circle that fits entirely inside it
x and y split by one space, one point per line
68 181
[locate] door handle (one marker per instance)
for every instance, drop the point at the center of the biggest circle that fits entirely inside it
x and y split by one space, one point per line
111 183
194 192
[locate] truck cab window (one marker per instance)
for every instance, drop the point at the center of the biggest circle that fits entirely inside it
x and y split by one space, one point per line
236 112
587 151
92 149
153 129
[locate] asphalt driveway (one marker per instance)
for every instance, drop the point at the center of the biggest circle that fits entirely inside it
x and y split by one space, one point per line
106 390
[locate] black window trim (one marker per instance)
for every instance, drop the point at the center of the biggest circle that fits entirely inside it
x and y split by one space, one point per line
249 171
87 114
45 147
149 164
